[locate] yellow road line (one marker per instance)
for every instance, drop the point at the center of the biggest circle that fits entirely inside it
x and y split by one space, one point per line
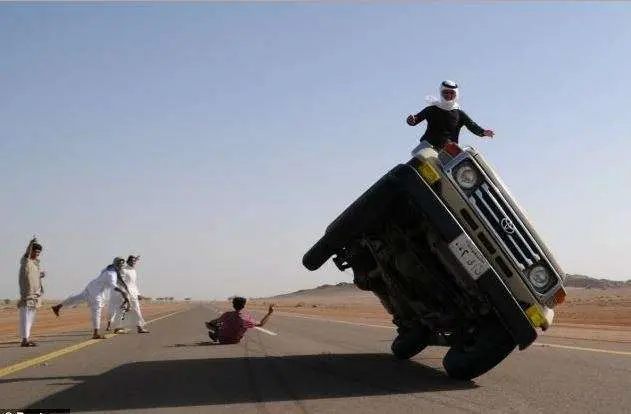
47 357
30 362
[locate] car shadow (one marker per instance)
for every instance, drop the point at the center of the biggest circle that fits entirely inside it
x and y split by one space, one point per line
229 380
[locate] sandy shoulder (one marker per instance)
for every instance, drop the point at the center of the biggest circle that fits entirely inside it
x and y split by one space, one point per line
587 314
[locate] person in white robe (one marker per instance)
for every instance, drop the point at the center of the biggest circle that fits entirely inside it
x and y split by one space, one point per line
133 316
96 293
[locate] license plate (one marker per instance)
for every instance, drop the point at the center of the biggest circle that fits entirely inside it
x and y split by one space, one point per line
469 256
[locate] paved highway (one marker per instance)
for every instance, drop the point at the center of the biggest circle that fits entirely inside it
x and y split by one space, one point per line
301 365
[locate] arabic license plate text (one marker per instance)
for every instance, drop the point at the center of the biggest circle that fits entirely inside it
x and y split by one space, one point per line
469 256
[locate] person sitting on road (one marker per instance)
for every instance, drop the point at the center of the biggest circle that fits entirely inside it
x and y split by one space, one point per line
230 327
445 118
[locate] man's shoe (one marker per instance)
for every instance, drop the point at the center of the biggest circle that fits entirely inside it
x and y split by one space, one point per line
142 330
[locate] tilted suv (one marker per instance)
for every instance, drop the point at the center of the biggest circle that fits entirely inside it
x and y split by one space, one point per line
451 255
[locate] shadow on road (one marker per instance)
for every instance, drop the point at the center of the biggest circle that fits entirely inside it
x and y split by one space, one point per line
197 382
201 343
16 344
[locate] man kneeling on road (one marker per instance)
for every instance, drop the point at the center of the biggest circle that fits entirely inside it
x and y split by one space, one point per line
230 327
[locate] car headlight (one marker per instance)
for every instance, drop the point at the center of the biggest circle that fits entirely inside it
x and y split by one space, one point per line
539 277
467 177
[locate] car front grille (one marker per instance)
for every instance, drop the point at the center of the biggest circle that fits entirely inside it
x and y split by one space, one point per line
507 228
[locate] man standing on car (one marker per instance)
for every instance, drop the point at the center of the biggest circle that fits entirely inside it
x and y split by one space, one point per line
445 118
31 290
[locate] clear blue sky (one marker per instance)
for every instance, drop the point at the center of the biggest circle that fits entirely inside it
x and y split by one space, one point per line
218 140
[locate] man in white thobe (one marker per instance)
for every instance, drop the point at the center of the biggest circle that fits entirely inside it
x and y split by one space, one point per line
96 293
31 290
130 277
113 306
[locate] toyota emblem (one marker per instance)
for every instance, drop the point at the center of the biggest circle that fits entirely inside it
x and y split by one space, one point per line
507 225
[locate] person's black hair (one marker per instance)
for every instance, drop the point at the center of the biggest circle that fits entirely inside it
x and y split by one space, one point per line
238 303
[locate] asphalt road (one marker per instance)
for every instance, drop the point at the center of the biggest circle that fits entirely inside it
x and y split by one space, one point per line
303 365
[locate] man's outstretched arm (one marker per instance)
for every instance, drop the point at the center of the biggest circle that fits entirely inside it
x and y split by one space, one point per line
413 120
475 128
27 253
266 317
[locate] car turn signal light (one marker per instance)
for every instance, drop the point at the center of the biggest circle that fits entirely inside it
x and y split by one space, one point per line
428 172
535 316
559 296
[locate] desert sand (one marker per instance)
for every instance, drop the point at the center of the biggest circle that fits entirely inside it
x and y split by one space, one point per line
589 314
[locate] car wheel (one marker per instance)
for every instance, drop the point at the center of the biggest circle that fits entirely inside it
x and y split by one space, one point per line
490 347
410 342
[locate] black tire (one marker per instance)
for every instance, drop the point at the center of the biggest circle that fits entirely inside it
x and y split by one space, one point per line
362 215
410 343
492 345
317 255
